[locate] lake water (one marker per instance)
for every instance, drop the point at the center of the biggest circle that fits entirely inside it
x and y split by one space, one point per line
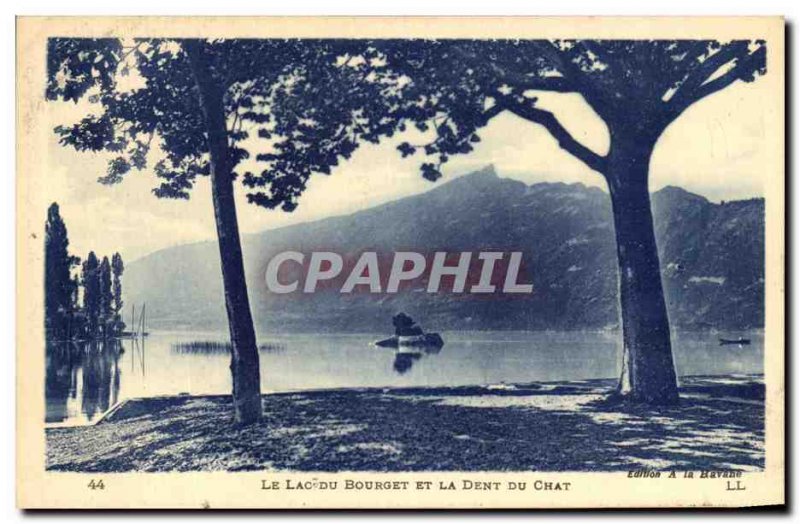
83 381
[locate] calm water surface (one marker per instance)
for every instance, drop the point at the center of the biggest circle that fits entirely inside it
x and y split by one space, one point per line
84 380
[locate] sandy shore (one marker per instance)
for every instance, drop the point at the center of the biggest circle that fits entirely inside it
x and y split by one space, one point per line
719 424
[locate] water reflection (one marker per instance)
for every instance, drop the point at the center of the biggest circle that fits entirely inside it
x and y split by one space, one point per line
404 361
404 358
202 347
83 378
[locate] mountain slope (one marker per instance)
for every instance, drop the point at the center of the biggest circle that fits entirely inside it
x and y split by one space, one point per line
711 254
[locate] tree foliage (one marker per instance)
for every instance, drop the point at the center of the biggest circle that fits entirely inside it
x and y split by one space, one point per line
637 87
92 294
298 107
325 92
99 315
106 313
58 284
117 268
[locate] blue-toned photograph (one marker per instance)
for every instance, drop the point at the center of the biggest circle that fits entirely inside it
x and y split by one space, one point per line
405 254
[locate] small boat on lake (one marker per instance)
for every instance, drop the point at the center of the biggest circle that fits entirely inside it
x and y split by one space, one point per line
737 341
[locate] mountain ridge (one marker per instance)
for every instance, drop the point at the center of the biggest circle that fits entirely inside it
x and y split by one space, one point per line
712 261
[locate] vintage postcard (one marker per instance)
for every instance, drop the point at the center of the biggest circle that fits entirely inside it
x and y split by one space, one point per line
400 262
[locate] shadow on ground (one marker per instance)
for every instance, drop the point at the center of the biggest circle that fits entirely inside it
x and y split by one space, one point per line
565 426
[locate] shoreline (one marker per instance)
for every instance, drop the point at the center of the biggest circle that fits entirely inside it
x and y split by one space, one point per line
554 426
379 333
606 381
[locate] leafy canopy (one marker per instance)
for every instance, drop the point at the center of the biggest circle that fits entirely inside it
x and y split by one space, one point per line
637 87
297 107
144 91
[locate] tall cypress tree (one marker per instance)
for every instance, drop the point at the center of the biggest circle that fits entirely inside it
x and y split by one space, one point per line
58 282
106 298
117 268
90 278
78 319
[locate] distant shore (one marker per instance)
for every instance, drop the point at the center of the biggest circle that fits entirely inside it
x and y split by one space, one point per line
555 426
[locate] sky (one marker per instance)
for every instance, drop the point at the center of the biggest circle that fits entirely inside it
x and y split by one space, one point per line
714 149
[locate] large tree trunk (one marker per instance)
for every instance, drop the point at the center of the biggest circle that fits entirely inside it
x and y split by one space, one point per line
244 352
648 370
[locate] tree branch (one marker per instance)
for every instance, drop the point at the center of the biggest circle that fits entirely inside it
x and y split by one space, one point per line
130 50
571 72
744 66
556 84
495 110
709 66
549 121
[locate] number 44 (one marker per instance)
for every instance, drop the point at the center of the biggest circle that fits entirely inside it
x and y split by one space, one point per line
96 484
